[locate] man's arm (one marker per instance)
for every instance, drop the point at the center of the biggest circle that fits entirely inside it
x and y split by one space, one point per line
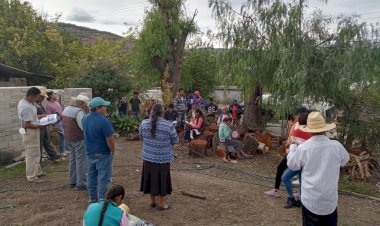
30 125
345 156
79 119
111 144
294 157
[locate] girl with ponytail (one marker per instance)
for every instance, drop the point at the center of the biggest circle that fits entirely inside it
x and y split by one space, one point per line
158 137
107 212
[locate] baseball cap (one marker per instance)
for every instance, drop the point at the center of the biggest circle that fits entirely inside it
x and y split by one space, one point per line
98 101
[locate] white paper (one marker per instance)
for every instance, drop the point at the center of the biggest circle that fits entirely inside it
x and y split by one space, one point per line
48 120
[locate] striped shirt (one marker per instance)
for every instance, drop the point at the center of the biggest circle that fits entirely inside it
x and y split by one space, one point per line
160 148
320 159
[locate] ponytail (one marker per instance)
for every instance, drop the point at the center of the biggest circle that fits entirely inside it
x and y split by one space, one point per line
157 111
103 212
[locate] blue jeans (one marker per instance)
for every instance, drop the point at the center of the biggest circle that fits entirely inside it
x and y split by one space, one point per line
77 163
287 180
99 175
181 118
135 114
61 139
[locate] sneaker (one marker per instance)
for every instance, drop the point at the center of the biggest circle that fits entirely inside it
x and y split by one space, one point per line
92 200
72 185
298 203
273 193
42 174
65 154
290 203
296 182
191 135
36 180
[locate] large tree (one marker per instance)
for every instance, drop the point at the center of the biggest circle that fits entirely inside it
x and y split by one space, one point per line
162 42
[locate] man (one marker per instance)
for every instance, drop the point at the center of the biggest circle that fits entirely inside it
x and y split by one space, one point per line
30 134
171 114
180 105
123 107
211 107
236 112
73 128
198 100
320 160
100 148
135 105
45 141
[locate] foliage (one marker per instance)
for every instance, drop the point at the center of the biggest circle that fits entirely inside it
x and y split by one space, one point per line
161 42
125 124
200 70
105 79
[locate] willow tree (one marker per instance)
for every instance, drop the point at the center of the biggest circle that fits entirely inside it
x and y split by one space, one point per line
162 42
273 46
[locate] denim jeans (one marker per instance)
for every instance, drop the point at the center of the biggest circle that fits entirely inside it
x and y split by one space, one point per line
135 114
181 119
287 180
77 163
61 138
99 175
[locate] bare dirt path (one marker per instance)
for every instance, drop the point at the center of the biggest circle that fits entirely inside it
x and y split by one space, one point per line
234 195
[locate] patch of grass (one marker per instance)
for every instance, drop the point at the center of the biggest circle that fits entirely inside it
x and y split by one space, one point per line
359 187
16 171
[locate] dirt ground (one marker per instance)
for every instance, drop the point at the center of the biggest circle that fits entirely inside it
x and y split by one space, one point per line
234 194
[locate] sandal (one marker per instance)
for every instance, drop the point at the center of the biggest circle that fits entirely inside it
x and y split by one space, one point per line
164 208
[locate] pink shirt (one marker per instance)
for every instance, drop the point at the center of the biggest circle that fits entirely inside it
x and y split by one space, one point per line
197 123
54 107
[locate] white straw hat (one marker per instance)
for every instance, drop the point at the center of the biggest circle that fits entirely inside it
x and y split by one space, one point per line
316 123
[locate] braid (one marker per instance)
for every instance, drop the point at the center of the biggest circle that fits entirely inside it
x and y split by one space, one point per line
103 212
157 111
113 192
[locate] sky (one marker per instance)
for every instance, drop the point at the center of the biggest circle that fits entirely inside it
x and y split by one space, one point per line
118 16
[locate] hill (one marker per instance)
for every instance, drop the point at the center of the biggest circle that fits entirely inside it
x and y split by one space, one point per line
88 35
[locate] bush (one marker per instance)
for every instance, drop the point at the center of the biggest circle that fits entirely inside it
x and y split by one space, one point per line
125 125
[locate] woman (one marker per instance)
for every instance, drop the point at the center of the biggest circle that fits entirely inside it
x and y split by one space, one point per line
196 126
52 107
223 115
107 212
158 137
282 166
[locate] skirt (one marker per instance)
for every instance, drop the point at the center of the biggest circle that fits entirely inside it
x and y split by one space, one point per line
155 179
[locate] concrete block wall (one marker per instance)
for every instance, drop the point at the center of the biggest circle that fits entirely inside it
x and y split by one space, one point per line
9 123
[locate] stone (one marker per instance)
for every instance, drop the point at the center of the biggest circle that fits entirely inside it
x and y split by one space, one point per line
6 157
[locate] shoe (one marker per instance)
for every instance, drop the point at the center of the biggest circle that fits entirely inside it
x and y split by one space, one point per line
95 200
72 185
166 207
296 182
65 154
298 203
152 204
81 188
36 180
42 174
273 193
290 203
191 136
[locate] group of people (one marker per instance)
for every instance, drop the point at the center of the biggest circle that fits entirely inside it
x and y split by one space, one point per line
316 160
88 135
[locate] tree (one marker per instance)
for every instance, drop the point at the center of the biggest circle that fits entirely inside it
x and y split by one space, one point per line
105 78
162 41
200 70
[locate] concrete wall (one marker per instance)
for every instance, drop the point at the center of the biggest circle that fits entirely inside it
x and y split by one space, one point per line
9 122
225 94
12 82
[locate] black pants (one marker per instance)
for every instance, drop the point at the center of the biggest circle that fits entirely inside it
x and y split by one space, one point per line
311 219
281 167
45 143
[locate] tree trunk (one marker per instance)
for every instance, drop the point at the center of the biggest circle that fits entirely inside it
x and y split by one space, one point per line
252 110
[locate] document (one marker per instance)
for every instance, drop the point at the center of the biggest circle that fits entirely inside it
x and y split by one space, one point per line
49 120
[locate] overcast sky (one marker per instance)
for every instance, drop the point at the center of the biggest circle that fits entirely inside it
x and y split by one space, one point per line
110 15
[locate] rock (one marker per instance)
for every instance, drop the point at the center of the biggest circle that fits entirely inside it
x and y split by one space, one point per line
6 157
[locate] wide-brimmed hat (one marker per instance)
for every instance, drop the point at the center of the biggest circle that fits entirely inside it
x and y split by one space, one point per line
43 91
316 123
82 97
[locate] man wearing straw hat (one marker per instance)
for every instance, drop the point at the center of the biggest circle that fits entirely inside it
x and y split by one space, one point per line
320 160
73 130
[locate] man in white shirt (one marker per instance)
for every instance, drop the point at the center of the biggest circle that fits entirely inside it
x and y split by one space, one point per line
320 160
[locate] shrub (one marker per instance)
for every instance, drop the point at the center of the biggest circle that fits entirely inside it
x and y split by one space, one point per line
125 124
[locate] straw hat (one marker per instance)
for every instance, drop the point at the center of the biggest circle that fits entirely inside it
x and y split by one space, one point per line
82 97
43 91
316 124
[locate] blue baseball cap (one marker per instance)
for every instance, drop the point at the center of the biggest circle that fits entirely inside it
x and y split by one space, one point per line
98 101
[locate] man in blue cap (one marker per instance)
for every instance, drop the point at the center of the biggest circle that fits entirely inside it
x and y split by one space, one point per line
100 147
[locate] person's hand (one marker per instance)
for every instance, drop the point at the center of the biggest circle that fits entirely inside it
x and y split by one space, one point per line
42 116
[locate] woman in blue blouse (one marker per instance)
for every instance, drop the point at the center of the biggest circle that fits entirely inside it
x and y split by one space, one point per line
158 137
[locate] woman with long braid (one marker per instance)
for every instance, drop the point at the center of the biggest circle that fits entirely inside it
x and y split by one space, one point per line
158 136
107 212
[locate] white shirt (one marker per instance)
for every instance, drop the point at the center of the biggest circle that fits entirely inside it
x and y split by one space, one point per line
320 159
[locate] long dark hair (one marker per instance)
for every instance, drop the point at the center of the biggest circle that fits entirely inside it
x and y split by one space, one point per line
157 111
200 115
113 192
